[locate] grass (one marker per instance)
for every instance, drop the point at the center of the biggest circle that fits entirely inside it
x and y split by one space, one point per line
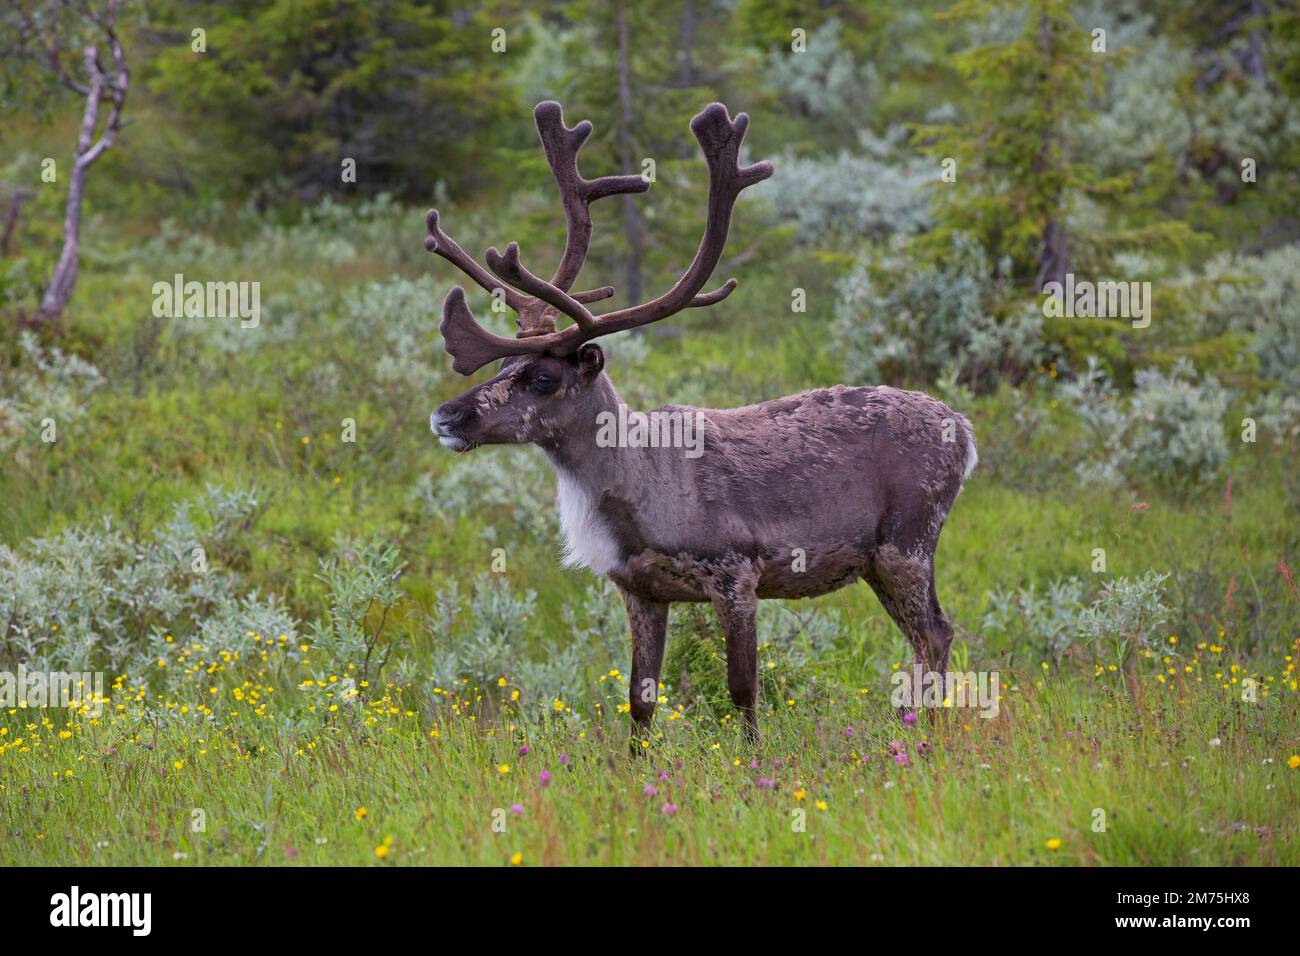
1185 772
1071 771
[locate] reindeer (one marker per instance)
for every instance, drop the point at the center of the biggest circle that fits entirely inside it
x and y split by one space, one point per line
791 498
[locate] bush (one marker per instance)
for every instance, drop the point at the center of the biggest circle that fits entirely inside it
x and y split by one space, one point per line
41 384
484 639
361 579
1171 430
898 322
398 320
695 659
791 644
509 493
1177 425
850 196
825 81
1259 296
1049 621
1129 615
102 598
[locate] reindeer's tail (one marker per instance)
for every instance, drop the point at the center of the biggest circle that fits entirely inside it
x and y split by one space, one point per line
972 455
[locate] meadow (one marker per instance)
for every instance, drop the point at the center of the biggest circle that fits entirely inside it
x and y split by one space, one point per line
327 640
496 730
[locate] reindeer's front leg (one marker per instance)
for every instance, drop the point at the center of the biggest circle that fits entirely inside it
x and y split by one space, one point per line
649 621
733 593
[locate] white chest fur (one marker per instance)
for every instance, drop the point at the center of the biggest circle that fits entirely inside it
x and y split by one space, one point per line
587 541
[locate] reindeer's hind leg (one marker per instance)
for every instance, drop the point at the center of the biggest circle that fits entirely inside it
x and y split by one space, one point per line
939 635
904 582
649 622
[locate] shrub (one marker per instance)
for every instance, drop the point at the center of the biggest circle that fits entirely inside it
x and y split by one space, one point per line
825 81
1048 621
695 661
398 321
484 638
334 232
103 598
1260 296
791 643
41 384
1171 430
1280 418
873 193
898 321
1129 615
508 494
361 580
1177 424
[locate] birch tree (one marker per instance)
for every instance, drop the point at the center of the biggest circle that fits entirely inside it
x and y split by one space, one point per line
78 43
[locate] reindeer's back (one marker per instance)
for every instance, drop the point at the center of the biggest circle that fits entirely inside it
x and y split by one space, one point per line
832 472
819 441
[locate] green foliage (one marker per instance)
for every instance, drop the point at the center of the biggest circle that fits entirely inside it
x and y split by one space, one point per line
1014 178
1050 618
794 645
361 583
1125 616
38 386
896 323
107 597
1128 616
871 193
1170 431
1258 298
293 88
483 642
695 660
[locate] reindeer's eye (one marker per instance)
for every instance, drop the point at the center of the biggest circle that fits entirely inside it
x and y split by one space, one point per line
543 384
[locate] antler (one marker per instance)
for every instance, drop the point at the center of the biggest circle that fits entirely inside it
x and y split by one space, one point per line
471 346
536 309
561 145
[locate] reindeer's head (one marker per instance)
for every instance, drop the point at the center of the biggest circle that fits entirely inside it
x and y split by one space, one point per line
551 380
534 398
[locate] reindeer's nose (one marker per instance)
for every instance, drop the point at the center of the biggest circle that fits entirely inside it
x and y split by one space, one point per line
445 416
447 422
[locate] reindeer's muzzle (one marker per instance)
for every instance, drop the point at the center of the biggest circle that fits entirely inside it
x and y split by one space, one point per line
448 423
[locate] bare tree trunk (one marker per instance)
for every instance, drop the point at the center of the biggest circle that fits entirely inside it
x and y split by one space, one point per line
11 219
64 279
632 230
1253 61
687 36
89 149
1052 259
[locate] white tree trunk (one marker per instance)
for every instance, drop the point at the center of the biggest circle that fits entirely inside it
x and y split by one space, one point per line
64 279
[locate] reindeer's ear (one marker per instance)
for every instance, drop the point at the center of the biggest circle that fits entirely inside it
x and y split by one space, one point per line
590 361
